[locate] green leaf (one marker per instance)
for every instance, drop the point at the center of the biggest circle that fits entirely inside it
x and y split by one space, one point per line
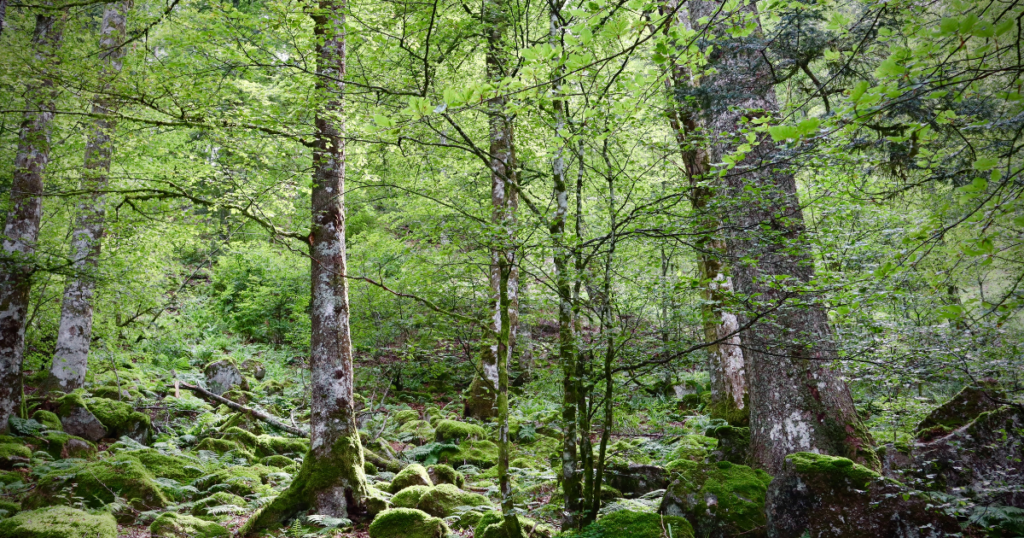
783 132
808 126
985 163
949 26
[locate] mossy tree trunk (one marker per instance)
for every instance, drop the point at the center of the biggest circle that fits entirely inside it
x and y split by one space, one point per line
482 400
331 480
21 228
797 402
506 264
726 364
70 359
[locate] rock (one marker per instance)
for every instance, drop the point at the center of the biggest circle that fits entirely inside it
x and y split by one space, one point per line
221 498
413 475
376 501
175 525
718 499
443 499
958 411
240 480
733 444
162 465
453 431
80 422
63 446
634 480
628 524
277 461
409 497
254 368
406 415
483 454
120 419
223 446
693 448
418 432
12 454
407 523
58 521
8 509
824 496
444 474
48 419
629 505
491 525
222 376
98 482
983 460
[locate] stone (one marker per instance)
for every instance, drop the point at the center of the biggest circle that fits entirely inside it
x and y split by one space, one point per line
406 415
491 525
12 454
254 368
818 496
60 445
409 497
81 422
58 522
48 419
222 376
733 444
444 474
718 499
412 475
453 431
407 523
417 432
120 419
961 409
634 480
98 482
175 525
443 499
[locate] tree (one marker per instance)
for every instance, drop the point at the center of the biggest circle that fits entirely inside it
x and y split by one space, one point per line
70 359
21 229
798 401
331 479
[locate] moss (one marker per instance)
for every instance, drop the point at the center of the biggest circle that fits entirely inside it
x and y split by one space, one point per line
243 438
111 392
174 525
409 497
48 419
61 446
413 475
14 450
727 410
120 418
369 468
223 446
220 498
9 508
960 410
441 500
482 454
733 443
11 477
454 431
419 431
277 461
721 499
491 525
237 480
162 465
835 469
639 525
444 474
268 445
407 523
97 483
406 415
58 522
69 402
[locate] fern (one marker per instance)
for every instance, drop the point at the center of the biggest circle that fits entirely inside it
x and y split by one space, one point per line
329 522
224 509
999 520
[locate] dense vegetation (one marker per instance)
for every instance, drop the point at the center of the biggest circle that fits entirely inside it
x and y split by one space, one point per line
599 268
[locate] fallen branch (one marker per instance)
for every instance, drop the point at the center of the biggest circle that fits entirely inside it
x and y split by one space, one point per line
269 419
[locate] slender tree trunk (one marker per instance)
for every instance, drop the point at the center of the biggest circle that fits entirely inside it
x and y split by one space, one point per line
504 200
506 264
21 229
3 16
726 364
70 359
331 480
797 402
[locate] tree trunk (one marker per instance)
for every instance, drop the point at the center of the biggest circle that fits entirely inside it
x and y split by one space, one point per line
331 480
482 401
70 359
21 229
506 264
797 402
3 16
726 364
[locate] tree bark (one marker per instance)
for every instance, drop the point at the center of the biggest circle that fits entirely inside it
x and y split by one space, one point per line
797 401
482 401
21 229
70 359
331 480
726 364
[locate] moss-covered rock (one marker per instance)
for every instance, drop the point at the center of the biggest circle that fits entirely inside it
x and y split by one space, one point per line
453 431
633 480
13 453
406 415
693 448
491 525
268 445
60 445
223 446
718 499
816 495
221 498
58 522
416 431
76 418
175 525
98 482
111 392
237 480
409 497
413 475
960 410
244 438
483 454
120 418
162 465
9 508
277 461
733 444
628 524
445 474
223 375
407 523
441 500
48 419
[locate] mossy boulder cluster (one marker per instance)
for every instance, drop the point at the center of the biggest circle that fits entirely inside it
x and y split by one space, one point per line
718 499
407 523
59 522
175 525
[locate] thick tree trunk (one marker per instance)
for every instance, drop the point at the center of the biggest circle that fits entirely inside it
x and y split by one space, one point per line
797 402
71 356
21 229
482 400
331 480
726 364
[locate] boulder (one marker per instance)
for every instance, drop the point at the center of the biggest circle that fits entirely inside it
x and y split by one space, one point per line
453 431
48 419
254 368
444 474
406 415
970 402
718 499
221 498
483 454
60 445
733 444
634 480
413 475
824 496
491 525
416 431
175 525
58 521
407 523
223 375
443 499
409 497
120 419
12 454
98 482
77 419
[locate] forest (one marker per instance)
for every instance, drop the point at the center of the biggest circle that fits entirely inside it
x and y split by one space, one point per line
511 269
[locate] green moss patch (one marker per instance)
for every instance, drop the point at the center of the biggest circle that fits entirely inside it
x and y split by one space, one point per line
120 418
174 525
58 522
443 499
483 454
491 525
720 499
269 445
838 470
409 497
413 475
98 482
444 474
407 523
418 431
448 431
406 415
48 419
626 524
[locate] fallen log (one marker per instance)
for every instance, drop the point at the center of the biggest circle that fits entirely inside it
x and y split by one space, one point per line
255 413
